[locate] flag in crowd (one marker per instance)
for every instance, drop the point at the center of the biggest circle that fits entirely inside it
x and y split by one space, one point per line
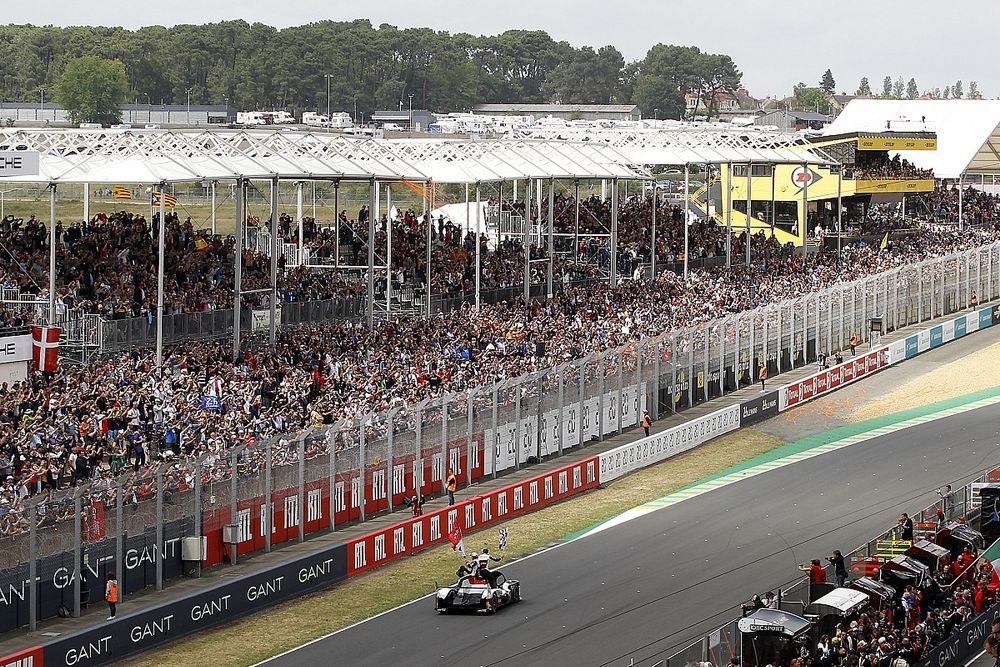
993 556
457 544
122 193
169 201
503 539
45 348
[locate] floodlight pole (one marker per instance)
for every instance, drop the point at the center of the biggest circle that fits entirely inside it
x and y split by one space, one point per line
86 203
687 213
576 220
614 232
238 271
652 236
213 209
549 270
388 250
840 222
161 242
749 206
336 216
961 204
428 222
729 214
272 332
479 232
806 177
298 216
52 254
372 206
526 240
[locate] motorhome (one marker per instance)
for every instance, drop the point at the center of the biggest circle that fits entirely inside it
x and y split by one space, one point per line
338 120
254 118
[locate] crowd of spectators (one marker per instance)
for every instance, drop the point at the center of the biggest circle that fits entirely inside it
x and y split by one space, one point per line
978 207
878 166
92 420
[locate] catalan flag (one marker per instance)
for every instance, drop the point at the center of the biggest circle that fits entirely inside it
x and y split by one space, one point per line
122 193
200 244
169 201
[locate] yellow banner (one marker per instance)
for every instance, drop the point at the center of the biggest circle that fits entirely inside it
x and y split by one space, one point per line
896 144
871 187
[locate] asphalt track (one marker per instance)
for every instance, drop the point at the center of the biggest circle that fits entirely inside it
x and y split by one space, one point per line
672 575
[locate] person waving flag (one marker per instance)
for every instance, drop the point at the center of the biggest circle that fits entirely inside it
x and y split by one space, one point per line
503 539
457 544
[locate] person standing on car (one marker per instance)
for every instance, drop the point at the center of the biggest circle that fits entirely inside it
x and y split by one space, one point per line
484 567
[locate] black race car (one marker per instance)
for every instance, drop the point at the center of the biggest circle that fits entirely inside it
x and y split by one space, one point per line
471 593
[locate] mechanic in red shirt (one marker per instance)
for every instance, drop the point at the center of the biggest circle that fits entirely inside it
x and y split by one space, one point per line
817 575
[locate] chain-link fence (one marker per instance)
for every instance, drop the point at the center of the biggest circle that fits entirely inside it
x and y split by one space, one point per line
795 596
354 469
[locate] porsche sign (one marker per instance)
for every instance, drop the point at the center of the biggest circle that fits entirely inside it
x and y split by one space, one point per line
18 163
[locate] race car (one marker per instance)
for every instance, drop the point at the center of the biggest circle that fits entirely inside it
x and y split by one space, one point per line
471 593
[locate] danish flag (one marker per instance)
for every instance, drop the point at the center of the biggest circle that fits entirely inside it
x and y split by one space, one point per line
45 348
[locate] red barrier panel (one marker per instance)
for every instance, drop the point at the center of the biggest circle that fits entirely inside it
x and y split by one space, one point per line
828 380
406 537
31 657
379 479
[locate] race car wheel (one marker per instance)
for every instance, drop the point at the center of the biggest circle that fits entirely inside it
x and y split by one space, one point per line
515 595
493 604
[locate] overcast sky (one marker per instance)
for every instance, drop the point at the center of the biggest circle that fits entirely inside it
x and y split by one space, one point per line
776 43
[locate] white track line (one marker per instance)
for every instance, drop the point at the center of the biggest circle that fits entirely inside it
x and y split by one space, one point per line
857 439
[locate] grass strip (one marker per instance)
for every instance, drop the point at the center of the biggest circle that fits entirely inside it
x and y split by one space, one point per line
256 637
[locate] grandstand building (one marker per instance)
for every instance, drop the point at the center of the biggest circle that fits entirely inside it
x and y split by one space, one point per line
784 196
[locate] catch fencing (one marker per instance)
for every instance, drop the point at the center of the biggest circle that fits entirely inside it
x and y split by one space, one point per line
258 494
722 644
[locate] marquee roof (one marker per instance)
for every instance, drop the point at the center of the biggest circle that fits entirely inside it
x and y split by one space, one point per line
150 157
968 131
693 144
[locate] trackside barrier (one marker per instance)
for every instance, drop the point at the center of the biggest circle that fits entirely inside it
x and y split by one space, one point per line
402 539
828 380
133 633
671 442
578 402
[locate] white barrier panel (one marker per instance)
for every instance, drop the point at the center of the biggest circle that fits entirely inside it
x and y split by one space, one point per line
591 424
897 351
611 407
549 433
571 425
948 331
528 439
641 453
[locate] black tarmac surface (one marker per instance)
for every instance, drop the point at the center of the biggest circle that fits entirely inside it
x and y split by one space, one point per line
642 590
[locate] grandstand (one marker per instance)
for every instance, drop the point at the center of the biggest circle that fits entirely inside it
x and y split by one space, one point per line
559 326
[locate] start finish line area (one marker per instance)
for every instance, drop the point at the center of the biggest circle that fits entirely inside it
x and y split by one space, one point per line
224 593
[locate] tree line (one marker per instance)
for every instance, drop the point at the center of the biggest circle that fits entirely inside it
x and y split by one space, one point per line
256 66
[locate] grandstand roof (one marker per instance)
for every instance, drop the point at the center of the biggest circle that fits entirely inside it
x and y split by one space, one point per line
149 157
968 131
694 144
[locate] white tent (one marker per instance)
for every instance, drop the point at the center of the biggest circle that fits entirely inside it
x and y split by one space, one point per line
968 131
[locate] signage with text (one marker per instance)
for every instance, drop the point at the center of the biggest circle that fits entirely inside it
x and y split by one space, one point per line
18 163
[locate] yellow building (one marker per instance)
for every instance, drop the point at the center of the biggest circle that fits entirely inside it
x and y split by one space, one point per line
780 194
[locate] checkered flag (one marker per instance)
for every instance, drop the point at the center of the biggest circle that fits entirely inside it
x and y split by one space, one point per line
503 539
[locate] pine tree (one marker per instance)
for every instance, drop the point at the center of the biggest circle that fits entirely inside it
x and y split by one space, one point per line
898 89
973 90
912 92
887 87
827 83
956 90
864 90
